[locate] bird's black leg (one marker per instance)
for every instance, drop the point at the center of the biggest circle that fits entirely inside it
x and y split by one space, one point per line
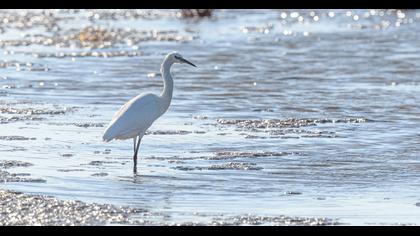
135 140
135 155
134 151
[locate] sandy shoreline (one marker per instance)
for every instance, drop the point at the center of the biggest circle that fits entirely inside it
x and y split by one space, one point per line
23 209
17 208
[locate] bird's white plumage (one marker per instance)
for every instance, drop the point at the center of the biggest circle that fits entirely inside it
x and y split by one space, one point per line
134 117
138 114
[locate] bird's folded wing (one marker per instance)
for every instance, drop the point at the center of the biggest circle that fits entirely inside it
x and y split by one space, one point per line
135 116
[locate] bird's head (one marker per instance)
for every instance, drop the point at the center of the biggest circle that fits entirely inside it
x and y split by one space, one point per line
175 57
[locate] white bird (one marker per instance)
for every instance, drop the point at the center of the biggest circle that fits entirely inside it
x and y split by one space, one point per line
137 115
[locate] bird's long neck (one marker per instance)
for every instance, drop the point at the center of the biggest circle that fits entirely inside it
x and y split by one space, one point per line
168 83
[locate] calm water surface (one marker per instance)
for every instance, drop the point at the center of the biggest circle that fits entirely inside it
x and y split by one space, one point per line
300 113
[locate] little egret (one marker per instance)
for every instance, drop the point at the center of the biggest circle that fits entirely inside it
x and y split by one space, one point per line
137 115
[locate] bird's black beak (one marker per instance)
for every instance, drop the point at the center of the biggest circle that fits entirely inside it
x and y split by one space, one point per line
185 61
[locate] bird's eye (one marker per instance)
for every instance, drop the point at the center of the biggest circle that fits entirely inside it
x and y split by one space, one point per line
177 57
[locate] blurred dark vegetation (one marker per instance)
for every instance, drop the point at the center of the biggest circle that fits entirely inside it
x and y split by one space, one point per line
196 13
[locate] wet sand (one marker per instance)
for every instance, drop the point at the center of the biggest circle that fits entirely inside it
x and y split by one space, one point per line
17 208
22 209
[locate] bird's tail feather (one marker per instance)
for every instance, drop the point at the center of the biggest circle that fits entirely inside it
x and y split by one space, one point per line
107 136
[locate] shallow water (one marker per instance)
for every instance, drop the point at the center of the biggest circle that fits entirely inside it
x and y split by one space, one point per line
298 113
